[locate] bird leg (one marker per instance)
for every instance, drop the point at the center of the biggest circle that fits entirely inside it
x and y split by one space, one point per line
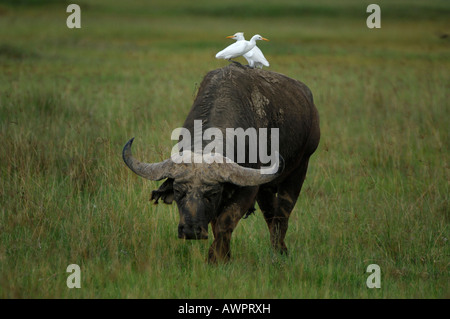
235 62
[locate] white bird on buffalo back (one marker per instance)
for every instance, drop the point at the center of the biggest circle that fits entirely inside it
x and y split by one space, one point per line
239 48
254 57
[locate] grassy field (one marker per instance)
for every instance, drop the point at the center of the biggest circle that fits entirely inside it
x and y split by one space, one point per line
377 191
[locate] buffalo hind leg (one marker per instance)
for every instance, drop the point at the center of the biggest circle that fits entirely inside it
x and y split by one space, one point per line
224 224
277 205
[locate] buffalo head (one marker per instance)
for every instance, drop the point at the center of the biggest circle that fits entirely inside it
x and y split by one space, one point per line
198 186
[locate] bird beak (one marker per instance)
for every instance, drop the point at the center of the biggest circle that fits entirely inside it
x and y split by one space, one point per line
230 37
264 39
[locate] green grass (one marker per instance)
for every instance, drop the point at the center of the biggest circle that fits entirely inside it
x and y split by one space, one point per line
377 190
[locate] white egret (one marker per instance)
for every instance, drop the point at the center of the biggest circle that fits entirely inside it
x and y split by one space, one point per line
239 48
254 57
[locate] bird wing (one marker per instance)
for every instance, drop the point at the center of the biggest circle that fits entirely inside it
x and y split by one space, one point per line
249 54
256 56
232 51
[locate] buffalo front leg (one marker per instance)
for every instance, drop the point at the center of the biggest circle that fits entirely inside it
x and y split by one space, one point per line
277 207
226 222
268 203
220 248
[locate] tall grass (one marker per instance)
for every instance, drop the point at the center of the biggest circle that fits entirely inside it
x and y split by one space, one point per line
376 191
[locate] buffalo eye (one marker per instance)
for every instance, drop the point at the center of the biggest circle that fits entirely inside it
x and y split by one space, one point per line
207 198
178 194
210 197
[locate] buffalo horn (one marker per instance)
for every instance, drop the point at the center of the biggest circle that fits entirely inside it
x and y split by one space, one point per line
151 171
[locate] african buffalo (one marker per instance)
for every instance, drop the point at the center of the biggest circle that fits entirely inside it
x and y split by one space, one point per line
222 193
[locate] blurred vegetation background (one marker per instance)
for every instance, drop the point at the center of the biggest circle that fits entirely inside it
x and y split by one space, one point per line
377 190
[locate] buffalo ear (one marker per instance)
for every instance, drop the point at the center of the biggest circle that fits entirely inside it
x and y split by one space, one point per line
168 198
165 192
